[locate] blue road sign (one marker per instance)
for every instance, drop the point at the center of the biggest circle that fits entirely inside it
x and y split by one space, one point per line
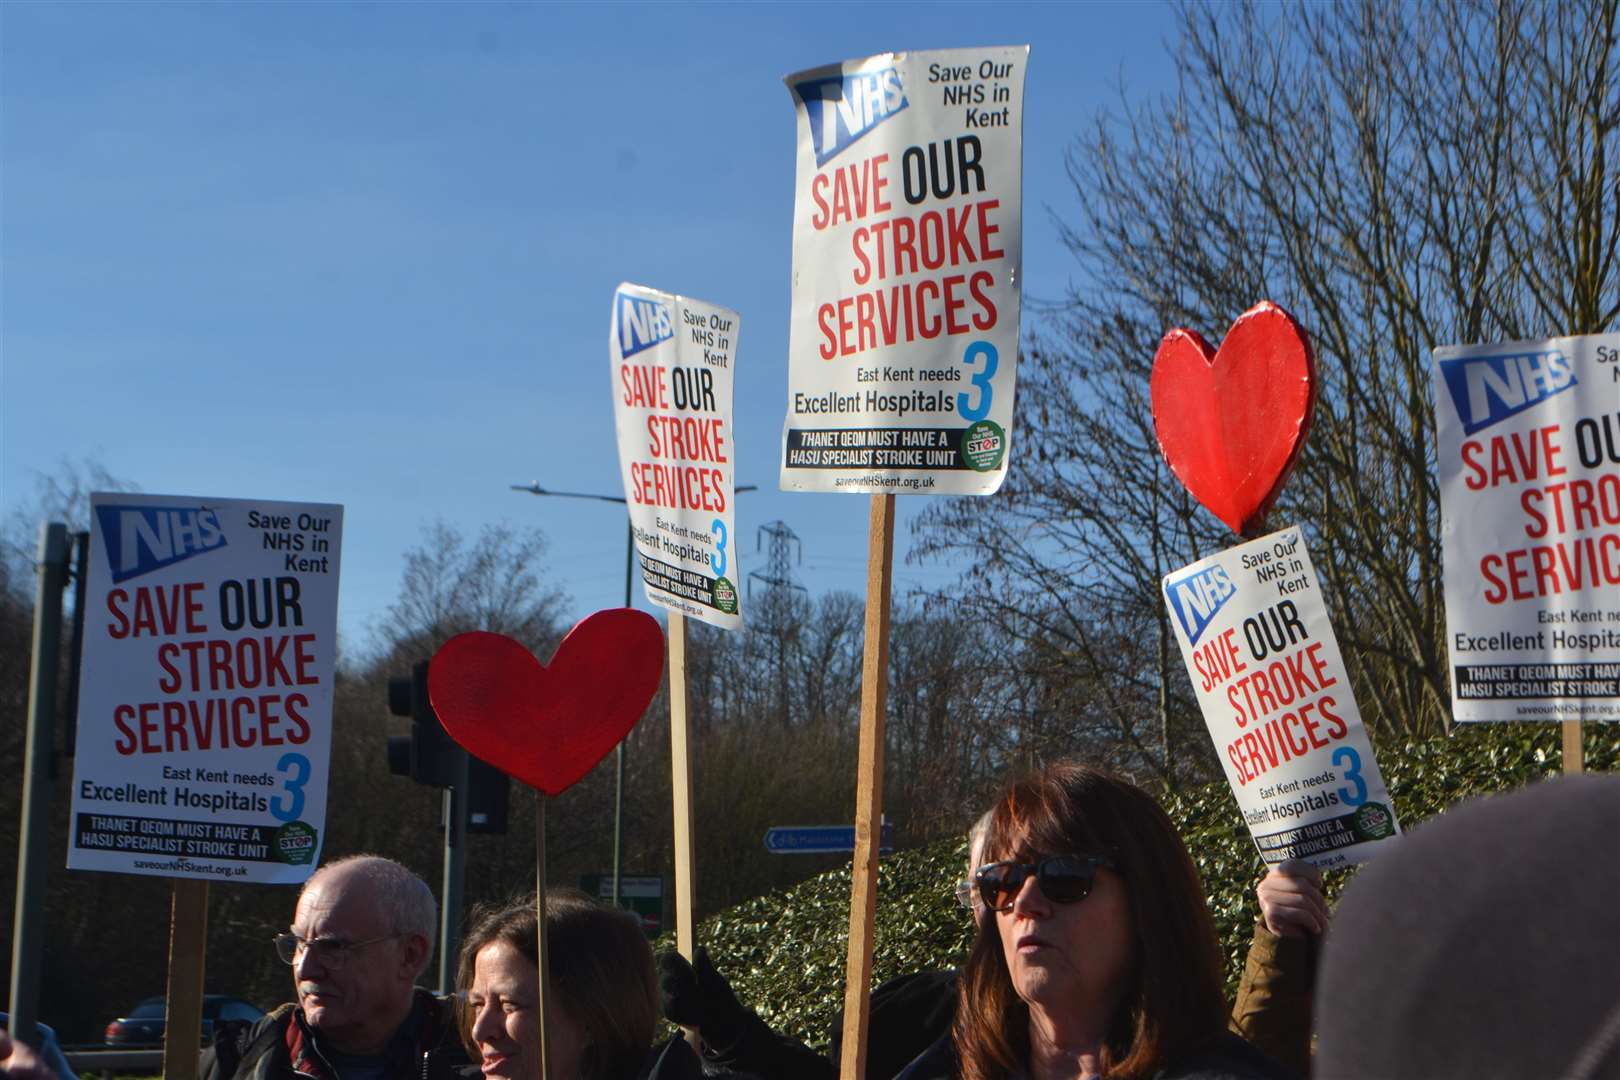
820 839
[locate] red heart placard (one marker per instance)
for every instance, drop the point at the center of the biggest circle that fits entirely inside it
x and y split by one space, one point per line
548 725
1231 422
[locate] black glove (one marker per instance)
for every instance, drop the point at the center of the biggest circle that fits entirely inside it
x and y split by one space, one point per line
695 995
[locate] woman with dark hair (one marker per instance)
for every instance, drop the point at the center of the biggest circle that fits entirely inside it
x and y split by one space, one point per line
601 1011
1101 959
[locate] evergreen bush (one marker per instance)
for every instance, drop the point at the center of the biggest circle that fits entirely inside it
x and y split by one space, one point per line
785 952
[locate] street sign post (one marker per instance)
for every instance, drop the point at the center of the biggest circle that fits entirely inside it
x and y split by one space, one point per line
819 839
643 896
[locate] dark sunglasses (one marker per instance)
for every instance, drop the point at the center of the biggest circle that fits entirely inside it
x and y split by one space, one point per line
1064 879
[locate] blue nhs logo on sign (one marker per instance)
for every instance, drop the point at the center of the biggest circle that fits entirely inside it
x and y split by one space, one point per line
642 324
1488 389
1196 597
845 107
140 539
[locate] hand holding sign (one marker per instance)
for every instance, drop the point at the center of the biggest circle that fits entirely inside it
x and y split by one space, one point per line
1231 422
1291 900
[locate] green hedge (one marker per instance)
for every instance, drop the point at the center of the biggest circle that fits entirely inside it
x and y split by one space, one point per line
785 952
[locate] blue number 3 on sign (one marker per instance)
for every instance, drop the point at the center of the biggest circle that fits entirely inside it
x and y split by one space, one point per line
979 409
293 806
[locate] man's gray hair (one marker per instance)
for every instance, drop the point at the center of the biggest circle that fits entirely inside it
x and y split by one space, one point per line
405 899
976 837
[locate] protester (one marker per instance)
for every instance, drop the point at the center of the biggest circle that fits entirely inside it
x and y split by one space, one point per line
601 1012
19 1061
911 1016
1485 943
362 933
1274 999
1101 957
907 1013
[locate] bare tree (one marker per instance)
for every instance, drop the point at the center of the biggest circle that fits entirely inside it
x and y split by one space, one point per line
60 496
1399 177
451 585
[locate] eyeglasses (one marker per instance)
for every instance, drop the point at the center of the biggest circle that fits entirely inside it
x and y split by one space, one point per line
331 952
964 894
1064 879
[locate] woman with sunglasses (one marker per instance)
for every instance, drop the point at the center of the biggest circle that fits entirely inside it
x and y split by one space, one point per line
1101 958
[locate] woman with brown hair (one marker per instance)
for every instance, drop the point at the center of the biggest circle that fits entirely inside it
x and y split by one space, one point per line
601 1011
1101 959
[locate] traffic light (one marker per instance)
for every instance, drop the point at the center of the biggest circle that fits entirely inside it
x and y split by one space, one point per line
487 789
426 755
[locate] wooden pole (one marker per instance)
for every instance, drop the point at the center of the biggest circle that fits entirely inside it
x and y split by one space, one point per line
540 918
681 766
34 834
680 760
869 787
1574 752
188 945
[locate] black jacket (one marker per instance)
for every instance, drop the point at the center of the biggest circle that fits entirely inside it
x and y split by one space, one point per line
281 1046
908 1014
671 1060
1228 1058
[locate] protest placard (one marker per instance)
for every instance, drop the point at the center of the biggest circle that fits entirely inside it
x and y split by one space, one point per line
205 694
1275 693
1529 466
671 359
907 269
907 260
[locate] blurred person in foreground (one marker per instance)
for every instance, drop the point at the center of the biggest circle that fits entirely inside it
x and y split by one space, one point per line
601 1011
19 1061
1485 943
362 933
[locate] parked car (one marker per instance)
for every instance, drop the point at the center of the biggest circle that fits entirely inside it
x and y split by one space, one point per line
146 1022
50 1051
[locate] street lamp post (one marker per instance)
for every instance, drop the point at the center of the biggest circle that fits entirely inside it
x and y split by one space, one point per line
629 578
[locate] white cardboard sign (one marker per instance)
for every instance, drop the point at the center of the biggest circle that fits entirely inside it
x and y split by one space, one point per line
1529 465
1275 693
671 359
907 269
205 693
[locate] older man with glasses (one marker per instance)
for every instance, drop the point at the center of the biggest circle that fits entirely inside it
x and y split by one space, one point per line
362 934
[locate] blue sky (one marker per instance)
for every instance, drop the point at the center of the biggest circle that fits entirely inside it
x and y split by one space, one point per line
364 253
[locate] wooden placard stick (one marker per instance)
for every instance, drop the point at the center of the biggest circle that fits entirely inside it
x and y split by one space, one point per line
869 787
1574 752
680 761
681 783
188 948
540 922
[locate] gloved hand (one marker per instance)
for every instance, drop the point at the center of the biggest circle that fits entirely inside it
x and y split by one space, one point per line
695 995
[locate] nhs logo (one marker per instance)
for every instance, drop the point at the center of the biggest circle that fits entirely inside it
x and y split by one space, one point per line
1487 389
1196 597
642 324
140 539
845 107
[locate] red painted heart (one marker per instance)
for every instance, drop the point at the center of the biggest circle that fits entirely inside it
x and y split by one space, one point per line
1231 423
548 725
